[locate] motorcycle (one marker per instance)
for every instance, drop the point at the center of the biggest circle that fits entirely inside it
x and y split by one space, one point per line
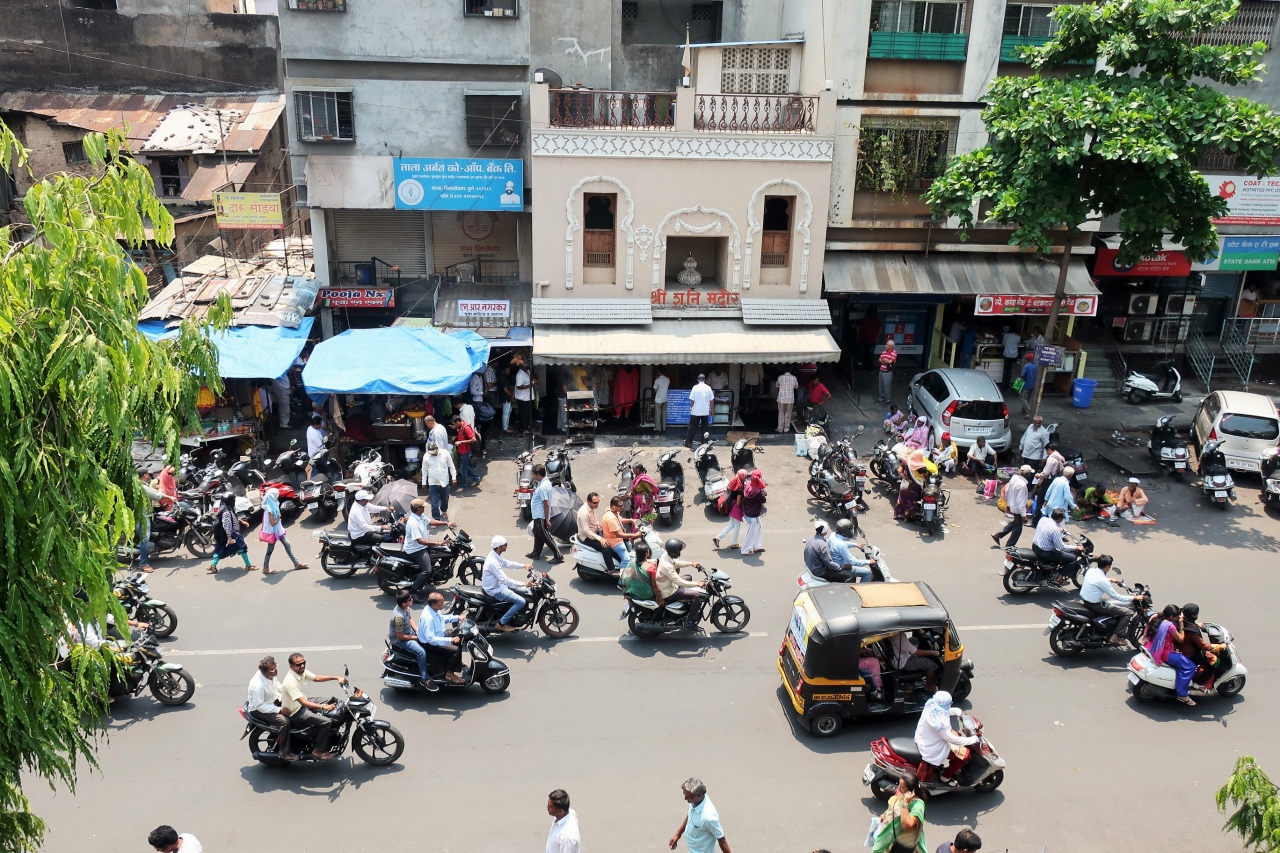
400 670
1070 455
524 484
376 742
623 472
930 513
590 564
396 571
318 494
180 525
879 570
1164 384
1024 571
1216 483
670 500
743 454
729 613
1167 448
892 757
555 616
142 666
1271 477
885 464
342 558
827 488
559 471
714 483
135 597
1074 628
1149 682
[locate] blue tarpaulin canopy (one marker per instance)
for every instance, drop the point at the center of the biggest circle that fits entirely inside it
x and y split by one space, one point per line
395 360
248 352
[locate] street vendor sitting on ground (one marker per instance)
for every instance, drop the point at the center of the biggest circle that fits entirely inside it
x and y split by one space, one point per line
1096 502
946 456
980 461
1131 502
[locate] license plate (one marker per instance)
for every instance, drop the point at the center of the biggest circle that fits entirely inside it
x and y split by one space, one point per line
1222 495
850 504
1054 621
973 430
1008 565
664 510
312 505
1082 476
1241 465
861 481
868 774
1133 679
1180 465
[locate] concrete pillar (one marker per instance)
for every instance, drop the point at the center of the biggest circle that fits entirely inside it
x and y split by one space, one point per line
685 104
539 105
320 245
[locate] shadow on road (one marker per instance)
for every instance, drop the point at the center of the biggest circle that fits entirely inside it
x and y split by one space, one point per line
679 646
1207 709
452 703
127 711
315 778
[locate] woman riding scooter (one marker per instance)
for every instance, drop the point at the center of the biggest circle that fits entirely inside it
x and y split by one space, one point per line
941 748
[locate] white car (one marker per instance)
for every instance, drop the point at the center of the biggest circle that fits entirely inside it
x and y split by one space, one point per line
1246 424
965 403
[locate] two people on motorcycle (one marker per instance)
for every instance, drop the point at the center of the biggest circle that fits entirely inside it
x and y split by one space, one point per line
834 560
916 465
1048 544
427 640
941 747
673 586
1100 597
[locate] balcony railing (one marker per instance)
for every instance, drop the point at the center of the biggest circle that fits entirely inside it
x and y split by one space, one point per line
756 113
485 271
597 247
946 47
1010 48
600 109
775 246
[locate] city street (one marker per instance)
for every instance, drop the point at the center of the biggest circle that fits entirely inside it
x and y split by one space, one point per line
621 722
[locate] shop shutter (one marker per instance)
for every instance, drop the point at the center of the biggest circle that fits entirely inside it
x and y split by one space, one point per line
398 237
458 236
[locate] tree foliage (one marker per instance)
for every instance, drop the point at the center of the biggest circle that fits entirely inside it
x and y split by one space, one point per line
77 383
1123 140
1257 814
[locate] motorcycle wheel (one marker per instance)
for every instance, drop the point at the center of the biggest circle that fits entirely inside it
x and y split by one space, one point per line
335 571
198 549
1078 578
878 469
470 571
933 526
558 620
883 787
1135 396
1177 396
525 515
172 688
262 740
826 724
1231 686
964 686
379 746
1177 475
1144 692
162 619
730 617
990 783
1060 648
818 489
572 486
1017 582
496 683
638 629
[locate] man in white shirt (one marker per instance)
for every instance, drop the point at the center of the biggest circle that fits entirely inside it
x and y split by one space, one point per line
1010 341
563 837
497 585
980 461
166 839
476 386
700 397
315 436
1100 597
1034 442
752 376
417 538
661 383
908 657
467 412
718 379
524 397
786 399
1047 543
359 525
439 471
437 433
263 702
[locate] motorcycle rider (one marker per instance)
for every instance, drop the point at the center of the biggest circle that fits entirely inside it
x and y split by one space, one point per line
301 710
497 585
1099 596
417 533
403 634
941 746
1047 543
818 558
840 548
673 586
263 703
360 526
1201 652
445 650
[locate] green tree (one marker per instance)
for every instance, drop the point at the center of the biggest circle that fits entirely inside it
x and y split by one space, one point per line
1257 814
77 383
1121 141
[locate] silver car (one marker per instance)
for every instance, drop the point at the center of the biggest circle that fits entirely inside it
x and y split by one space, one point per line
965 403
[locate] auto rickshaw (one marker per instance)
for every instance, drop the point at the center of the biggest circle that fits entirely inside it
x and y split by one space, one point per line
834 627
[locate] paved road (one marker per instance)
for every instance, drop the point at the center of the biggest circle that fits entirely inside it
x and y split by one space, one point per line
620 723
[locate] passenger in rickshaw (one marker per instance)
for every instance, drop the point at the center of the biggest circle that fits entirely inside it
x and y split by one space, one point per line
869 665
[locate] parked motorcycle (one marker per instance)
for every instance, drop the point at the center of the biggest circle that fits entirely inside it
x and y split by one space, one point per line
729 613
892 757
342 558
376 742
559 471
1149 682
143 666
524 484
135 597
670 500
1271 477
1216 482
714 483
1168 449
623 472
831 492
555 616
743 455
1074 628
400 669
885 464
1164 384
590 564
930 513
317 493
396 570
1024 571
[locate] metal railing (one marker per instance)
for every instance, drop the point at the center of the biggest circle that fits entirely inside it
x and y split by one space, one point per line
1235 345
373 272
1119 367
1256 331
485 271
1201 357
756 113
603 109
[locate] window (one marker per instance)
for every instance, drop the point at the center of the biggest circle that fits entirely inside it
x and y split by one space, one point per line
894 155
630 10
1028 21
598 229
170 177
775 244
756 71
318 5
324 116
1249 426
1214 159
934 385
74 152
1256 21
916 16
491 8
494 120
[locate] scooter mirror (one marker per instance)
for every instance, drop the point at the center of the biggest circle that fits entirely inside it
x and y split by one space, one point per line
706 436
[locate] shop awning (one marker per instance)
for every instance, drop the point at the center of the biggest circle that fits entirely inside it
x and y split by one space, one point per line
497 336
884 274
395 360
592 312
248 352
473 306
785 312
691 341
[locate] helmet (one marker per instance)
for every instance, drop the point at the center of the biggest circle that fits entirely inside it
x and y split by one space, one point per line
845 528
674 547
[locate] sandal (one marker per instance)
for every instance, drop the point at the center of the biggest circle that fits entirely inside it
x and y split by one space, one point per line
250 568
715 540
148 569
1187 700
297 567
270 571
213 570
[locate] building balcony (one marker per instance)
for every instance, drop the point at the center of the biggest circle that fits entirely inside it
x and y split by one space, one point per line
943 47
593 108
755 113
1010 48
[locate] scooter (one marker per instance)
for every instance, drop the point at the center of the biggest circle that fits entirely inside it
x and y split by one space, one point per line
1271 477
670 500
743 455
892 757
524 484
319 494
559 471
714 484
246 484
400 670
826 486
1216 483
885 464
1164 384
1167 448
879 570
590 564
1149 682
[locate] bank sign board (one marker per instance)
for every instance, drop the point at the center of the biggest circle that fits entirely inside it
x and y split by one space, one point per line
1250 200
1166 262
1243 253
458 183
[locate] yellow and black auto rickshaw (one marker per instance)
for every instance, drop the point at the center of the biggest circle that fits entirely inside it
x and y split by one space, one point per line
843 638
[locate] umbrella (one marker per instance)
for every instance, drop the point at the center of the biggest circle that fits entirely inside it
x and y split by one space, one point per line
562 520
397 495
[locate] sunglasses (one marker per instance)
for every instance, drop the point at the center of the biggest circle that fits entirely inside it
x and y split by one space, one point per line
299 663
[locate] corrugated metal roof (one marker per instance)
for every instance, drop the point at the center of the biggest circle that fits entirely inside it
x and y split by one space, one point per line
693 341
593 312
785 312
258 300
211 174
145 113
520 297
971 275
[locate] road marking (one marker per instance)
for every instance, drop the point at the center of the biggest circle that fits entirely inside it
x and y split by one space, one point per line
176 653
1025 625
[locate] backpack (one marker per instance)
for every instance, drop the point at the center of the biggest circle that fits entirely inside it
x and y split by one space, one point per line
484 413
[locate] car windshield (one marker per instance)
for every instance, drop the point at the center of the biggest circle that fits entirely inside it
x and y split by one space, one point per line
979 410
1250 426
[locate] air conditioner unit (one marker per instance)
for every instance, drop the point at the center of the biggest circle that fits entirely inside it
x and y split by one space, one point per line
1143 303
1180 304
1137 332
1175 330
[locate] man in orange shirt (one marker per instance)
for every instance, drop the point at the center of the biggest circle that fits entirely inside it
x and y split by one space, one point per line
613 530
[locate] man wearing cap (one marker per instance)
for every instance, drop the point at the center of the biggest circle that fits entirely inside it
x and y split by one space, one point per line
417 539
438 472
700 397
360 526
1016 497
1131 501
498 586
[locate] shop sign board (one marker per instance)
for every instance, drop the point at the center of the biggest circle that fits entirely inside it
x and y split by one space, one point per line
1243 253
693 298
1250 200
458 183
1167 262
358 297
1048 356
251 211
484 308
1003 304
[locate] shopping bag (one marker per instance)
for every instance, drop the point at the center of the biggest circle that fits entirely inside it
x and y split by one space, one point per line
872 832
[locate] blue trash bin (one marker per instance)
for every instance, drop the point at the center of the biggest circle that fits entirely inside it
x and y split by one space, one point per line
1082 393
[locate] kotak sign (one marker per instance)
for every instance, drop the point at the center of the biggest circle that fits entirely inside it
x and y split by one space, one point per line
1168 262
1250 201
1007 303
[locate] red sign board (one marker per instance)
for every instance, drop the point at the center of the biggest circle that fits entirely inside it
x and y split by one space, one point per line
1167 262
358 297
1003 304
